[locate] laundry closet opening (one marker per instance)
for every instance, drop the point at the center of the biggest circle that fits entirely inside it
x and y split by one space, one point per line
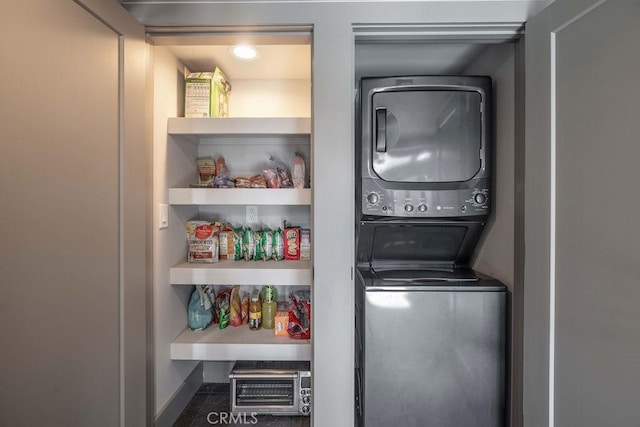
494 51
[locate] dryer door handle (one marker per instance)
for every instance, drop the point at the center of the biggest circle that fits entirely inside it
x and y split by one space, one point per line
381 129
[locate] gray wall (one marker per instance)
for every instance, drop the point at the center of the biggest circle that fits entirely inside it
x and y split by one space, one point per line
582 342
73 220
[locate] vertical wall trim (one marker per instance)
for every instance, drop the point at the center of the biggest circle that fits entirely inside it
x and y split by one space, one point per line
121 329
552 213
517 328
552 237
121 222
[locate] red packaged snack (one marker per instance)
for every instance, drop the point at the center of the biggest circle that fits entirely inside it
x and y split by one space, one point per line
292 243
223 293
300 315
221 166
272 178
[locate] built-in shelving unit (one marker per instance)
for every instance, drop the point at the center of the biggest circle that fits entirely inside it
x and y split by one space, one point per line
280 273
240 196
241 126
240 343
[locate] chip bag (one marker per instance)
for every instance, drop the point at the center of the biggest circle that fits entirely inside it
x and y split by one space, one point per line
300 315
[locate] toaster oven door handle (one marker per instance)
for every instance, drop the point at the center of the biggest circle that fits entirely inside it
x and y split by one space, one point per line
264 375
381 130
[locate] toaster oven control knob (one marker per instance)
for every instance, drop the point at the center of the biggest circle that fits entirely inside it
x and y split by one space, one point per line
373 198
306 400
408 208
480 198
306 410
422 207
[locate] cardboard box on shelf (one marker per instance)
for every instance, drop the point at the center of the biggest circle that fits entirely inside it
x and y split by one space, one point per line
305 244
207 94
281 323
292 243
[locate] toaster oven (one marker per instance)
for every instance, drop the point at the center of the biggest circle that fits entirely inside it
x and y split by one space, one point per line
277 387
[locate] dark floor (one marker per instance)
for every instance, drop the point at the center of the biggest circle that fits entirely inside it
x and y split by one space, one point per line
212 402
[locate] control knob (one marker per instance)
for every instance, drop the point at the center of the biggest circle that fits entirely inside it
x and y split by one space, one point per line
480 198
408 208
306 410
422 207
373 198
306 400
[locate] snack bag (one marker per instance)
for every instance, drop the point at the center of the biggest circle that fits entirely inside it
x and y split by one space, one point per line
222 179
218 300
200 311
298 171
248 244
235 315
258 181
238 234
225 237
283 172
300 315
243 182
267 244
244 308
224 310
259 252
202 239
272 178
221 167
278 245
206 171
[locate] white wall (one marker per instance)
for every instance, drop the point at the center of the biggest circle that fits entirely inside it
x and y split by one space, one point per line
170 315
270 98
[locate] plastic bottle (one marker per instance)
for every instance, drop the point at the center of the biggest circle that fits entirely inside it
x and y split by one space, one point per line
269 314
255 313
269 296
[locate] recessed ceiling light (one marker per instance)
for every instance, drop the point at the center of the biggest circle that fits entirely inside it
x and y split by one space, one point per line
244 51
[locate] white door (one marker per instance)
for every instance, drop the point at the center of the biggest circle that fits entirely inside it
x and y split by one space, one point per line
582 286
73 215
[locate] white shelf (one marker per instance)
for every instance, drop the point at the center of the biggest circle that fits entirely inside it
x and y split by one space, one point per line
241 343
208 127
229 272
237 343
240 196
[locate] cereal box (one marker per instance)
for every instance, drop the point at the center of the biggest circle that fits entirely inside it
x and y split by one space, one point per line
292 243
207 94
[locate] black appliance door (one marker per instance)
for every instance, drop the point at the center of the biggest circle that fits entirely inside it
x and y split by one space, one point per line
426 136
416 243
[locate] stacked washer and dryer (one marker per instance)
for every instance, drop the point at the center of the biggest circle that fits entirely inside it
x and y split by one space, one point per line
430 332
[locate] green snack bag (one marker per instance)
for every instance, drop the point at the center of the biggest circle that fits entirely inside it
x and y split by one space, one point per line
248 244
223 312
278 245
259 248
237 243
267 244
